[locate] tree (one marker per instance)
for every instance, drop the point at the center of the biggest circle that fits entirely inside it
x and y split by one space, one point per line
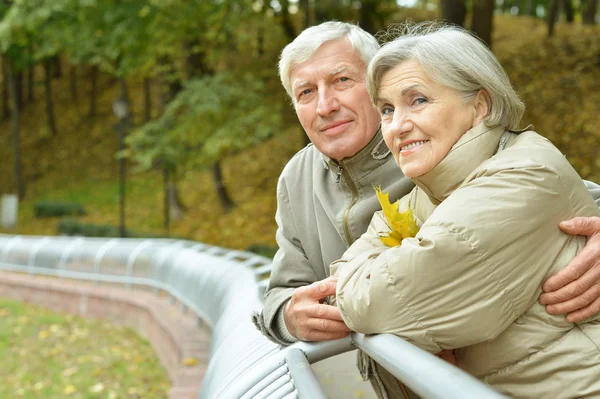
553 13
210 119
482 18
454 11
589 12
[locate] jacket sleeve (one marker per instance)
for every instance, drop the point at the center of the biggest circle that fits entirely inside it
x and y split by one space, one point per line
475 266
594 189
291 269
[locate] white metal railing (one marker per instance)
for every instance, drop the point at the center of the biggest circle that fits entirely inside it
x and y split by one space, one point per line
222 288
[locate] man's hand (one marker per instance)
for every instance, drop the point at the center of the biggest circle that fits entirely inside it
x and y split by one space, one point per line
576 289
309 319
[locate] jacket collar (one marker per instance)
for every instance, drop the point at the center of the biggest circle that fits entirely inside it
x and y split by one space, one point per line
471 150
363 162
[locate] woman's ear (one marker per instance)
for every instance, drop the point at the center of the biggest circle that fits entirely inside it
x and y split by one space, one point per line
482 104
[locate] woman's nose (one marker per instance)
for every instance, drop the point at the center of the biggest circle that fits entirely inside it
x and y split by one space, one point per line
327 102
400 124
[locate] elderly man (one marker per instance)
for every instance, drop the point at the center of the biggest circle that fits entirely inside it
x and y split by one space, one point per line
326 197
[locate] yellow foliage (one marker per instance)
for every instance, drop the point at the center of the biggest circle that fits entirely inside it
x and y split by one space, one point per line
402 224
190 361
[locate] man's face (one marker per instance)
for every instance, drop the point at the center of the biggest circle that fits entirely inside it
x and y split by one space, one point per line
332 102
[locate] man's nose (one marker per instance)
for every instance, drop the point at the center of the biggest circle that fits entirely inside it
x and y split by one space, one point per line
328 102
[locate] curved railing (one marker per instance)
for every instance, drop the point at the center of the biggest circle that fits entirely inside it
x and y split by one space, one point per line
222 288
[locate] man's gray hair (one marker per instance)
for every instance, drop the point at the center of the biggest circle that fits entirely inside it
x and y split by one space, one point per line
454 58
309 41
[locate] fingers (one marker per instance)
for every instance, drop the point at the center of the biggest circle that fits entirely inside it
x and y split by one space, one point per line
319 290
582 314
587 262
583 226
307 319
579 302
321 311
572 289
316 335
325 325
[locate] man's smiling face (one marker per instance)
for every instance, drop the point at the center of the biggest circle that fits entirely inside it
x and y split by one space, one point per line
331 100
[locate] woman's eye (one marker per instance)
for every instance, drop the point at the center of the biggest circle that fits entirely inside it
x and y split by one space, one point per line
420 100
386 111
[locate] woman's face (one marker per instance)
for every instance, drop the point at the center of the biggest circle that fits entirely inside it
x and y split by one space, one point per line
421 119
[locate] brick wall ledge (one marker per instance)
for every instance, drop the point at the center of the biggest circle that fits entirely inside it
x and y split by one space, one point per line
175 336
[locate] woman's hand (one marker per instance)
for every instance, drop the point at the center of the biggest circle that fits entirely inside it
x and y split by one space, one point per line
575 290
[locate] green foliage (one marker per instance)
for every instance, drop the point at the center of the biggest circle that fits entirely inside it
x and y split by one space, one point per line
263 249
211 118
72 227
53 209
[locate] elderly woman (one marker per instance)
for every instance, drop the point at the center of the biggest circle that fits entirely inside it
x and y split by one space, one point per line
487 201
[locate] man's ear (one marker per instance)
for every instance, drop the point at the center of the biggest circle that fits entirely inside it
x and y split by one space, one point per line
482 104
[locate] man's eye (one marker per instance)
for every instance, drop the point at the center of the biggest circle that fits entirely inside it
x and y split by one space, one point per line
344 79
303 93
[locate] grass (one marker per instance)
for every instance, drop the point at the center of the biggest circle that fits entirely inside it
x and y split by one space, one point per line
46 354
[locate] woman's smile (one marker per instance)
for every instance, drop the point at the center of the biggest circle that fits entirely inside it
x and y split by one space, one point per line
411 148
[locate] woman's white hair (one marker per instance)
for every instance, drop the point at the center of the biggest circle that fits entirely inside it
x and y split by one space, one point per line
309 41
454 58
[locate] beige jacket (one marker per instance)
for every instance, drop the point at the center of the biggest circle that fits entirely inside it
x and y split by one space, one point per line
323 206
471 278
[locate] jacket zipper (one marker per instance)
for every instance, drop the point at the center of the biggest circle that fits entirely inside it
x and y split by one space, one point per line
342 172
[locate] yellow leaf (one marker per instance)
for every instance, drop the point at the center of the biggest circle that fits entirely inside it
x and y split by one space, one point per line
190 361
99 387
69 389
402 224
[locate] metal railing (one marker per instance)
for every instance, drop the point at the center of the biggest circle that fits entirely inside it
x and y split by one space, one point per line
222 288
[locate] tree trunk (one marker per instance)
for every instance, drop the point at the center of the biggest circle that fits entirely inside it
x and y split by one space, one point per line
195 61
57 67
286 21
30 83
12 87
73 83
305 7
454 11
568 7
482 18
169 83
174 208
529 8
49 99
166 202
147 100
93 88
224 197
553 11
19 77
30 76
367 14
5 83
125 92
588 14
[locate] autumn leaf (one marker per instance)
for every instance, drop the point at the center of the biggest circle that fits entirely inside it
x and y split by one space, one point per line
69 389
190 361
402 224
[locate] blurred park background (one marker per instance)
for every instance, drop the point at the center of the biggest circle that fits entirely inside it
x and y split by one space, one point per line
166 118
183 95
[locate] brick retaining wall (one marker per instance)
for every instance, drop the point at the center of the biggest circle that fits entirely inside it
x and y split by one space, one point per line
173 334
